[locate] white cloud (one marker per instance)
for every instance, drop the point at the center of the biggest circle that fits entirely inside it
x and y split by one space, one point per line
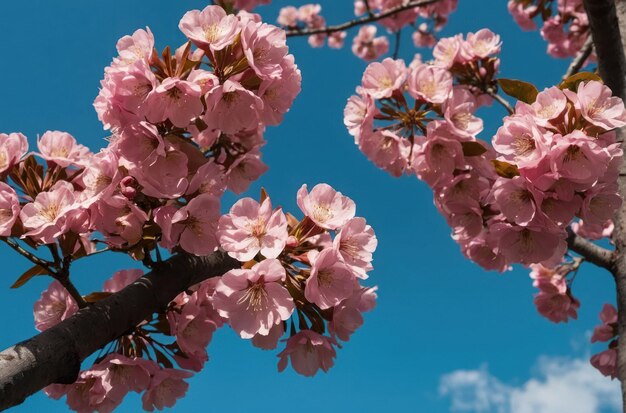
562 385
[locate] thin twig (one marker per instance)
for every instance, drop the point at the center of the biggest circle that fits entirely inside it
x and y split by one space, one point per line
591 252
396 49
368 8
501 101
361 21
580 59
65 281
30 256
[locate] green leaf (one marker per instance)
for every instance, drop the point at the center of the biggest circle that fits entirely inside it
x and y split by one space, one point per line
520 90
24 278
473 148
505 169
572 82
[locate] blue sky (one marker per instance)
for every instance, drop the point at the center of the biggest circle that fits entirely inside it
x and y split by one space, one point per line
437 312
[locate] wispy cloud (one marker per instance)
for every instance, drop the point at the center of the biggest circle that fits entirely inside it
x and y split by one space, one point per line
562 385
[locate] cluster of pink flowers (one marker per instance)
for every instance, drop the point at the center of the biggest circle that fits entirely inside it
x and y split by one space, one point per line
309 270
366 45
552 160
312 268
398 106
565 26
606 361
181 135
555 300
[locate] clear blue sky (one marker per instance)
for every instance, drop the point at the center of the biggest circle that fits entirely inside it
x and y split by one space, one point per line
436 312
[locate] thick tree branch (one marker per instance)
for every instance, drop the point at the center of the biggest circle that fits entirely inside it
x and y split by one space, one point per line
54 356
608 29
358 22
591 252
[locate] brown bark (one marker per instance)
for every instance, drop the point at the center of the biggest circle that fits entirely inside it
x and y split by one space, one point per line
54 356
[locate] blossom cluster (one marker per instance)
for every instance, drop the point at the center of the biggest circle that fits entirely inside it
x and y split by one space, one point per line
606 361
181 135
366 45
565 23
299 276
554 159
554 300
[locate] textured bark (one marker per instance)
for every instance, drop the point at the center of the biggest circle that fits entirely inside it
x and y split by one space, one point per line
54 356
608 31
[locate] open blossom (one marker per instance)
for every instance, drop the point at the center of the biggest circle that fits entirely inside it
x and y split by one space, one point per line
251 228
139 46
54 306
12 148
430 83
356 243
9 209
608 329
265 47
62 149
174 99
46 217
211 28
482 44
380 79
233 108
166 386
308 352
254 300
598 105
326 207
331 281
347 316
194 225
270 341
119 219
606 362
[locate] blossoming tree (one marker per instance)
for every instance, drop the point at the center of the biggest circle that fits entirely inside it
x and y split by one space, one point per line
186 124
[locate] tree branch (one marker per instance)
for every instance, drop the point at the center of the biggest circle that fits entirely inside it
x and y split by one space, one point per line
358 22
54 356
591 252
580 59
609 36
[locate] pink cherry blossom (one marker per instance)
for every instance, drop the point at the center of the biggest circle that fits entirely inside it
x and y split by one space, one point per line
166 386
254 300
347 316
606 362
54 306
62 149
270 341
12 148
139 46
482 44
331 281
9 209
251 228
356 243
174 99
381 79
430 83
119 219
209 29
232 108
608 329
288 16
599 107
244 171
195 225
45 217
308 352
326 207
265 47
